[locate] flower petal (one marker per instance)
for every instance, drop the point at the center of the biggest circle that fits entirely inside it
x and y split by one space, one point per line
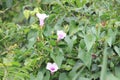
41 18
48 66
55 66
61 34
52 67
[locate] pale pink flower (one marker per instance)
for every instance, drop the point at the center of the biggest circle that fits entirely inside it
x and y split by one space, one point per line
61 35
52 67
41 18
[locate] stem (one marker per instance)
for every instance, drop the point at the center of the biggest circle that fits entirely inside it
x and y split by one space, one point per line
104 65
5 72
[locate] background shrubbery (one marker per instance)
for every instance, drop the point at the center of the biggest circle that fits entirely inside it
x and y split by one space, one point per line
90 51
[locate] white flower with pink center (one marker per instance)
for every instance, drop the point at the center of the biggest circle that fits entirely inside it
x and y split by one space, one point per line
61 35
52 67
41 17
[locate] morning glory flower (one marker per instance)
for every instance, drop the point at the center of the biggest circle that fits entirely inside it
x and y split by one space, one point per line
52 67
41 17
61 35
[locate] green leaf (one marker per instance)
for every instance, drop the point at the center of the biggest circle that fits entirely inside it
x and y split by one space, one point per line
85 57
117 50
32 77
36 10
47 1
26 13
89 40
59 22
117 72
110 76
82 44
75 73
110 37
63 76
48 31
58 59
82 78
32 20
70 61
80 3
59 2
9 3
77 66
47 76
39 76
67 67
69 43
32 38
73 28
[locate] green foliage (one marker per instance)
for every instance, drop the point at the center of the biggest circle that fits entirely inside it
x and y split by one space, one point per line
89 41
90 50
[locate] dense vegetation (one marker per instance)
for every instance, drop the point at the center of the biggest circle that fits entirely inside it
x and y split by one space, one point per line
59 39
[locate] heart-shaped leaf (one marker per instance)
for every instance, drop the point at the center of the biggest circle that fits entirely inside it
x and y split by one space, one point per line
89 40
